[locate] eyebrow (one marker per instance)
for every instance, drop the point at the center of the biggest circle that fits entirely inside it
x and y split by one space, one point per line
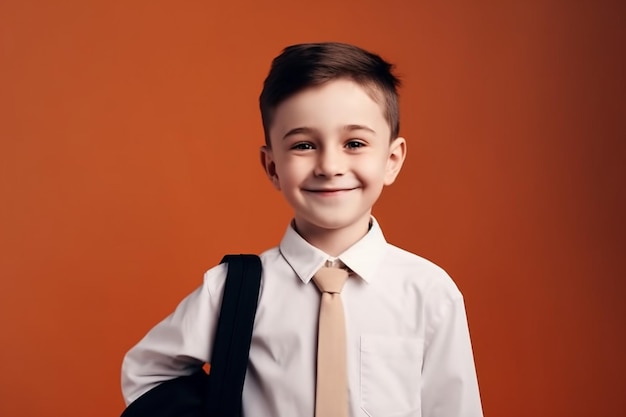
300 130
312 131
350 128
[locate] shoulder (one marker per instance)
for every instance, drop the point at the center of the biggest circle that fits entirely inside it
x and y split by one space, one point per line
422 272
270 256
215 277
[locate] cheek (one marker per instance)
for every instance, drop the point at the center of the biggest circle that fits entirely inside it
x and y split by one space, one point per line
292 172
373 171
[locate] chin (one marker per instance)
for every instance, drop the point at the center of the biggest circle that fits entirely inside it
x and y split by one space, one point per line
335 223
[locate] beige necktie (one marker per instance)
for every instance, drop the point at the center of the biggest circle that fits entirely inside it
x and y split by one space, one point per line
331 399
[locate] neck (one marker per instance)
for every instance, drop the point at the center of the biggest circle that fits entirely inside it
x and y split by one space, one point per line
332 241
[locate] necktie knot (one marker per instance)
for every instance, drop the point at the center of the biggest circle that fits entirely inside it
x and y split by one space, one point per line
330 280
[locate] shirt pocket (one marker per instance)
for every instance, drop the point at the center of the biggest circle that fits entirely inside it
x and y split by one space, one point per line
391 368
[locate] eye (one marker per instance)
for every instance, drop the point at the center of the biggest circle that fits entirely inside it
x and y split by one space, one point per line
302 146
354 144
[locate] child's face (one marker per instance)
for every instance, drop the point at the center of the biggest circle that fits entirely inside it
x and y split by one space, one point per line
331 155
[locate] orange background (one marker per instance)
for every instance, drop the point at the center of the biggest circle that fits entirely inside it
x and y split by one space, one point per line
129 137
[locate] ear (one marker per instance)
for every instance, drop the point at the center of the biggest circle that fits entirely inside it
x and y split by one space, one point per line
397 153
267 161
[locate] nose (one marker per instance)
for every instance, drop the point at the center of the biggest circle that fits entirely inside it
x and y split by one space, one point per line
330 162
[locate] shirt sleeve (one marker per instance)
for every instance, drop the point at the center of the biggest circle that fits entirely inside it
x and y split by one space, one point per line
450 386
179 344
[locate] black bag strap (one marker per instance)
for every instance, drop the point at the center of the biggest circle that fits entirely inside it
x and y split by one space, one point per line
231 348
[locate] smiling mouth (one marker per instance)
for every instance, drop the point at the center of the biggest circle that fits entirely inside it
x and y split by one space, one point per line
333 191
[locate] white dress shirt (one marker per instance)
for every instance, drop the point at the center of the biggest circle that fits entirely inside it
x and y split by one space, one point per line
409 351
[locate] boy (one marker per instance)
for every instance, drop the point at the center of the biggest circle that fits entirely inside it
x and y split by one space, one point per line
330 116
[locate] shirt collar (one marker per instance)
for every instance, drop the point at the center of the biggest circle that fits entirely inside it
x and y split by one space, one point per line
363 258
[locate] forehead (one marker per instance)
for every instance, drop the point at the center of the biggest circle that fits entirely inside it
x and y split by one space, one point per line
330 107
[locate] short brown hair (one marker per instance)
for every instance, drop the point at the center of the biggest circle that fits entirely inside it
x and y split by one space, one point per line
312 64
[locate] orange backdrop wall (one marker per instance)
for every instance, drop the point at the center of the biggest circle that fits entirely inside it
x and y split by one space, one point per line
129 138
